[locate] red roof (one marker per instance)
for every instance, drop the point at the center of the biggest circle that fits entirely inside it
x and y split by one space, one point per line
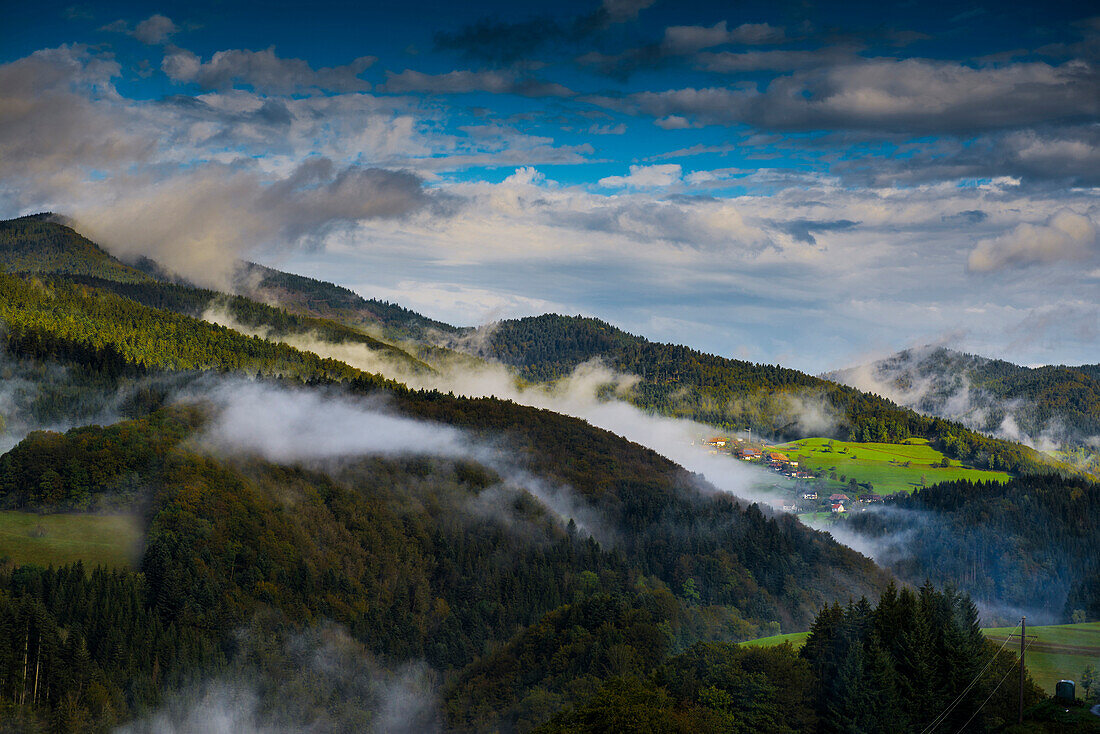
836 497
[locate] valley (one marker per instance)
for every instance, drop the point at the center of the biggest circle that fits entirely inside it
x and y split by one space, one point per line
265 470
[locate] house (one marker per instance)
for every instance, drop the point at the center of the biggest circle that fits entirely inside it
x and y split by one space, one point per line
838 507
868 498
838 498
717 443
748 454
790 507
809 495
777 458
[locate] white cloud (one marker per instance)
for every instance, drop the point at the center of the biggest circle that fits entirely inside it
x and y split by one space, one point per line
646 177
155 29
1065 236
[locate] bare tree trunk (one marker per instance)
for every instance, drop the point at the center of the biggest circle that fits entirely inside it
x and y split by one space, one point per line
37 661
26 653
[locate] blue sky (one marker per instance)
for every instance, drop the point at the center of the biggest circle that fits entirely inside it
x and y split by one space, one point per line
803 183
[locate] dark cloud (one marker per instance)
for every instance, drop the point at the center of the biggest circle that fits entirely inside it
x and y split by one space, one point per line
679 41
802 229
970 216
1067 155
199 222
264 71
894 96
732 62
503 43
456 82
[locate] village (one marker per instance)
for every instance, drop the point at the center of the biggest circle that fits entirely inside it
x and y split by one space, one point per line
803 491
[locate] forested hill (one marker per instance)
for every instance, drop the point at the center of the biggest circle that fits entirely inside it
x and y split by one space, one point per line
39 244
767 399
675 380
1032 543
419 558
1052 405
300 294
43 243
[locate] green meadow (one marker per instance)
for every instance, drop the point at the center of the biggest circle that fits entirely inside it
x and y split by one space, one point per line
97 540
797 639
889 467
1057 652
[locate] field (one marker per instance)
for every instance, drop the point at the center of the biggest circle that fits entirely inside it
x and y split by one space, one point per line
889 467
795 638
1058 651
97 540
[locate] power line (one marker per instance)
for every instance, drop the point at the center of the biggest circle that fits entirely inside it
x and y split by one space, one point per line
1003 678
947 712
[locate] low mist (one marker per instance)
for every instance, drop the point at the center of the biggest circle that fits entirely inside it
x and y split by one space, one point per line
294 425
579 395
308 682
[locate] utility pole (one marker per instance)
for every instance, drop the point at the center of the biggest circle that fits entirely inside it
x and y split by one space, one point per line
1023 637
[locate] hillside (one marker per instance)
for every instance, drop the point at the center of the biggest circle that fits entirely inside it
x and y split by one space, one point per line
768 400
424 554
40 244
299 294
1031 544
675 380
1048 407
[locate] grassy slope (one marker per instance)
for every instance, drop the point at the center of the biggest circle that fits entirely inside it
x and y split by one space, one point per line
44 540
1058 652
882 464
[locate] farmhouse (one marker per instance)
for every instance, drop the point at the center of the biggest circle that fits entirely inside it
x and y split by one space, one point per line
748 454
777 458
838 498
809 495
717 443
838 507
868 498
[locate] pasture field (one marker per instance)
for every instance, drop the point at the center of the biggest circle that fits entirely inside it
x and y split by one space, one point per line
797 639
97 540
1058 651
889 467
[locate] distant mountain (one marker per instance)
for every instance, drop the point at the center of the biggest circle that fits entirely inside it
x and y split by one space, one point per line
1047 407
733 394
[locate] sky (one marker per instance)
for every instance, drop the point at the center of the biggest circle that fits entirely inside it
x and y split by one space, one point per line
812 184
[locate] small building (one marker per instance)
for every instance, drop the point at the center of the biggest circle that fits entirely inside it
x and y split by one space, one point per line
777 458
838 507
869 498
838 498
718 443
809 495
748 454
